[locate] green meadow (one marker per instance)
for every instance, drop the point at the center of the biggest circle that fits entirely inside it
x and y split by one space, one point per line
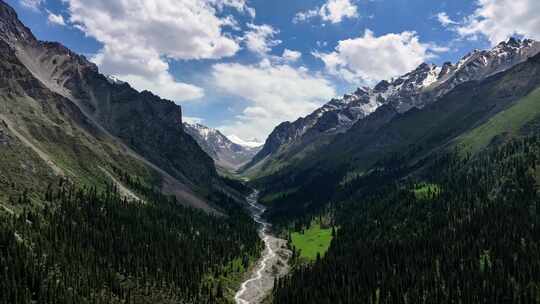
314 240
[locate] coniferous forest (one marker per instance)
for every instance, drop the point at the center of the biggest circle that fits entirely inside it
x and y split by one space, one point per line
90 246
472 236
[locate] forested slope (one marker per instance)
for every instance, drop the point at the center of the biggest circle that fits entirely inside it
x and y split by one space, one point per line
419 133
474 239
89 246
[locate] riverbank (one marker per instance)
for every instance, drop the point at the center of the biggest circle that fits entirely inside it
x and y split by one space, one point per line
272 264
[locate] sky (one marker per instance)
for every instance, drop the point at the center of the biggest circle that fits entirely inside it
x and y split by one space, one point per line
244 66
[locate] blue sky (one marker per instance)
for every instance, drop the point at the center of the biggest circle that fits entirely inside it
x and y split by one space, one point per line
243 66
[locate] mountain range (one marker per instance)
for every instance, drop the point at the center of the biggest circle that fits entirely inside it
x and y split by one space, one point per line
471 117
293 141
431 197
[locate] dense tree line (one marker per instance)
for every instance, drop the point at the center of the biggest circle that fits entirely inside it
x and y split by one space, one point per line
474 240
90 246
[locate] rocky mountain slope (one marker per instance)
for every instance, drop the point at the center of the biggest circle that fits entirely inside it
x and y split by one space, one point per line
472 116
225 153
60 116
425 85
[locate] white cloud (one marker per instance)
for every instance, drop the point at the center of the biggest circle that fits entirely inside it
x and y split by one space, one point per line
259 38
445 20
290 55
239 5
322 43
140 36
333 11
369 59
498 20
165 86
32 4
55 19
304 16
274 92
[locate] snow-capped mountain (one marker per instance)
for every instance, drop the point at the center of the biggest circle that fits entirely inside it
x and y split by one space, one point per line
224 151
424 85
254 143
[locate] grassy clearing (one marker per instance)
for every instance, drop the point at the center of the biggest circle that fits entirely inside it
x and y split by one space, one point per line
510 120
314 240
425 190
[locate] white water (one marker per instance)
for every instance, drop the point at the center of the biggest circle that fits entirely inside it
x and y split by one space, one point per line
260 283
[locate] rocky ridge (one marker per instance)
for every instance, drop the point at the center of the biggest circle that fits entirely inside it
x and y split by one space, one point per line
416 89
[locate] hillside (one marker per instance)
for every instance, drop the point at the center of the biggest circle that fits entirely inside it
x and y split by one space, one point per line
438 203
72 121
293 141
103 196
471 239
413 135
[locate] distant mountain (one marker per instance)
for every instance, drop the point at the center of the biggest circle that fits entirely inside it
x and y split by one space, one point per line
225 152
60 116
253 143
426 84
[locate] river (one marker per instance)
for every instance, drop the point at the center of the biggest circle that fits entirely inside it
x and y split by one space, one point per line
273 262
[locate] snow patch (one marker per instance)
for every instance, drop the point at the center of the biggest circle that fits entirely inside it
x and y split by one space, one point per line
114 80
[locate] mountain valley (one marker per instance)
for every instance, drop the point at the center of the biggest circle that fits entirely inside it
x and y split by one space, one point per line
422 188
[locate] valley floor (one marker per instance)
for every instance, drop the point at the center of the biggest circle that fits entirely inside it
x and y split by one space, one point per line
272 264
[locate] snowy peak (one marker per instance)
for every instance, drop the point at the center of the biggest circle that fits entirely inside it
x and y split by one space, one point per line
428 82
423 85
223 150
203 131
406 91
114 80
254 143
480 64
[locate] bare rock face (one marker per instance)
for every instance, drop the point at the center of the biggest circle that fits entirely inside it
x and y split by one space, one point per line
416 89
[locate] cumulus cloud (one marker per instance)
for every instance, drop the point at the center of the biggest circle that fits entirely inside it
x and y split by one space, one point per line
140 36
368 59
32 4
239 5
165 86
274 93
55 19
260 38
290 55
445 20
333 11
498 20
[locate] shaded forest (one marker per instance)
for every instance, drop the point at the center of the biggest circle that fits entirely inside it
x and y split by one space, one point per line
90 246
472 238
